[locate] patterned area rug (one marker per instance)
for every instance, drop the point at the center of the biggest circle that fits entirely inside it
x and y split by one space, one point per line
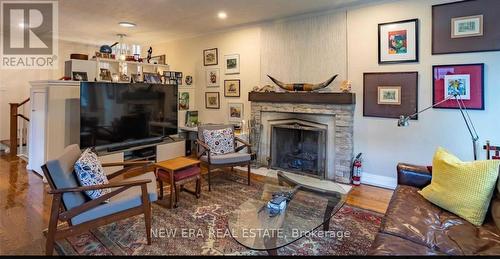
198 227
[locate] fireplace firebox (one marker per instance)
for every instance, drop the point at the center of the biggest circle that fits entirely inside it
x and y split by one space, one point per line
299 148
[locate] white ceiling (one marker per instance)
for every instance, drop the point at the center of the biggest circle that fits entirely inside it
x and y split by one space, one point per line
96 21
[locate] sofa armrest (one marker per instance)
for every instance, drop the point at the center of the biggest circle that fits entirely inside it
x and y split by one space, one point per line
414 175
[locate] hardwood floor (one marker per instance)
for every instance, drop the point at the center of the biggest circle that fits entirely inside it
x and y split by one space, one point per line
25 207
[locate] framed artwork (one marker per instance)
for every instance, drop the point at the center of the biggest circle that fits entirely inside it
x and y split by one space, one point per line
232 64
184 101
160 60
465 80
212 100
390 95
105 75
191 118
232 88
212 77
235 111
465 26
136 78
189 80
398 42
210 57
469 26
124 78
80 76
152 78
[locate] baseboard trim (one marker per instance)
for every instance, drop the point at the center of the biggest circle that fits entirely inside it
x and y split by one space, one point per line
379 180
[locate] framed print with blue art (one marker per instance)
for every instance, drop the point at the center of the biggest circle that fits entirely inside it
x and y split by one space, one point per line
464 80
398 42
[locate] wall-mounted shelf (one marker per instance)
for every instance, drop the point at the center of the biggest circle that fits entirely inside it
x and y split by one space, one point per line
303 97
92 67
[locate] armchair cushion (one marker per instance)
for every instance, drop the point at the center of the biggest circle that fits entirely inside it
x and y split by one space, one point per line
60 171
125 200
231 158
89 172
220 141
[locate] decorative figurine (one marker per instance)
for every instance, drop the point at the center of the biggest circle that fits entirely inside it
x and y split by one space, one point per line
302 87
150 52
345 86
264 89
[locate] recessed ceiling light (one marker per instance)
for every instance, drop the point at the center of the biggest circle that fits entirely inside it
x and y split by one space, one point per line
222 15
127 24
21 25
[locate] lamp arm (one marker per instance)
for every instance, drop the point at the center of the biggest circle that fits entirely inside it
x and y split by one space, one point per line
403 121
467 119
430 107
469 124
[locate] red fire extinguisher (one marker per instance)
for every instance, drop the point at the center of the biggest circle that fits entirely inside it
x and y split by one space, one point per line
356 170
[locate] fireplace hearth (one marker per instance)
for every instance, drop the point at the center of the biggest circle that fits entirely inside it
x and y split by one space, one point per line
298 148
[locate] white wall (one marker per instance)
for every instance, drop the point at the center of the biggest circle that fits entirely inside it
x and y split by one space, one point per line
187 56
305 49
14 86
381 141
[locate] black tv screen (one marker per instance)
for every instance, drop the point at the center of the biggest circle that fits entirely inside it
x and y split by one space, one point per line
117 114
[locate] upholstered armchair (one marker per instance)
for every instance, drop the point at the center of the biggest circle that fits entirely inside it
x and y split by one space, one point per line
129 197
236 158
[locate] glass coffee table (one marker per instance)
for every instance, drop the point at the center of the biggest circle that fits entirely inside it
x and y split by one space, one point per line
252 226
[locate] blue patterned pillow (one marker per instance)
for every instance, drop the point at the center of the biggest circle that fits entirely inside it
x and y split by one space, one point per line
220 141
89 172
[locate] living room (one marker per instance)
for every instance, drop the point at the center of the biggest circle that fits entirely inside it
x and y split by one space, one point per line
263 127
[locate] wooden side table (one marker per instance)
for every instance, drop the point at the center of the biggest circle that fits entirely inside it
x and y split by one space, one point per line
177 172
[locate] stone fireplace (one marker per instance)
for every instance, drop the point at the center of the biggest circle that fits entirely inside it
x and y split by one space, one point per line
305 133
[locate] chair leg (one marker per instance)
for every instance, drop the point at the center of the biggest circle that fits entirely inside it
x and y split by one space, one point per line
209 183
198 188
146 205
148 219
177 191
54 218
172 197
161 189
248 173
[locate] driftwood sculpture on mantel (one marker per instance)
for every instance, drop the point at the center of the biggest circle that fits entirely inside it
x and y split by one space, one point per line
302 87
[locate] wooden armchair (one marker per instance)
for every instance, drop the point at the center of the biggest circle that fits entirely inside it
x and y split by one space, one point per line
220 161
491 149
127 198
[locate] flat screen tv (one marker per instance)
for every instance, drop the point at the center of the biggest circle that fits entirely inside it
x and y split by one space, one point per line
118 116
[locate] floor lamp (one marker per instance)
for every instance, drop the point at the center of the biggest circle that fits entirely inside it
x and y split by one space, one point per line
404 121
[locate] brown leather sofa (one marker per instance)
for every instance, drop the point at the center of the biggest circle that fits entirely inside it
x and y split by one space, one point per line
414 226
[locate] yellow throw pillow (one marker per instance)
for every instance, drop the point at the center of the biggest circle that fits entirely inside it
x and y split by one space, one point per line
463 188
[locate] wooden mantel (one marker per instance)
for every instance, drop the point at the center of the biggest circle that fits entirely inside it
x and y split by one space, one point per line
303 97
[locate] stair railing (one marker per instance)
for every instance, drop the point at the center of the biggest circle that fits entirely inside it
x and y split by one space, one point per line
18 128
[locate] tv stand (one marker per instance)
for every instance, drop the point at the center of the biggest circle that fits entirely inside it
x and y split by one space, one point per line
168 137
129 145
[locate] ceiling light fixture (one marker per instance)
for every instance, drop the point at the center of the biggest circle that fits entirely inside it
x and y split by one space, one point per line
127 24
222 15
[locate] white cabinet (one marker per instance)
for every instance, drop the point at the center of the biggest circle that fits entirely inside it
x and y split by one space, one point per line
55 123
